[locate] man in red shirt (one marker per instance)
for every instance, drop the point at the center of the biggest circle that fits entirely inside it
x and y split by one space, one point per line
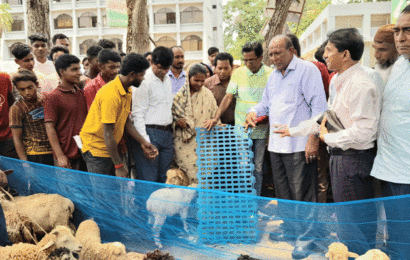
92 56
65 110
109 64
6 100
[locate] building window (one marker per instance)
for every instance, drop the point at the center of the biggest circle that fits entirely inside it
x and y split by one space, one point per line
164 16
166 41
63 21
352 21
118 43
87 20
378 20
215 28
192 43
18 24
14 2
191 15
104 21
85 45
62 1
213 6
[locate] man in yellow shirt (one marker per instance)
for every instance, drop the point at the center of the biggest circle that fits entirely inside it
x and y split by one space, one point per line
108 117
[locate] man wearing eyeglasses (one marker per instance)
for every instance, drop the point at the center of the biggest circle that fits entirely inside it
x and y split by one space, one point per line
152 117
392 163
247 85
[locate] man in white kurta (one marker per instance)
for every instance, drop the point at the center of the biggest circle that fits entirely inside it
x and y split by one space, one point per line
392 163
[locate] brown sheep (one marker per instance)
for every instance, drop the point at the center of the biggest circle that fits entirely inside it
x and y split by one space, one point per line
373 254
338 251
176 176
88 234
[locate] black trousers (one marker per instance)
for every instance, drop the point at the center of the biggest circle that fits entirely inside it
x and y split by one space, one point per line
293 178
350 176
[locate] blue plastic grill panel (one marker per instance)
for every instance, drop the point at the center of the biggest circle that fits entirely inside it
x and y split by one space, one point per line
225 164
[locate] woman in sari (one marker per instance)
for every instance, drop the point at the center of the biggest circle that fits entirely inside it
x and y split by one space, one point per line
193 105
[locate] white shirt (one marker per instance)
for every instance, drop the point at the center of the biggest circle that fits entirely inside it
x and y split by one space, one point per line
294 97
384 73
152 103
357 105
376 77
47 68
392 161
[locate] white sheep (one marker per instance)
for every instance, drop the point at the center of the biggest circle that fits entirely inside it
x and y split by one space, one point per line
168 202
338 251
21 228
373 254
88 234
59 237
47 210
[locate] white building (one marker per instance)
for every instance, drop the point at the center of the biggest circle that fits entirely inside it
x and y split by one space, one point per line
196 25
366 17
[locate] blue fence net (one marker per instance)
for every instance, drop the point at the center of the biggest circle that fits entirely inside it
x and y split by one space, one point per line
119 206
225 164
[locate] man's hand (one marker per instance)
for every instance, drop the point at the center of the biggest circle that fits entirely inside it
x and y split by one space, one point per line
250 120
323 129
283 130
121 172
63 162
209 124
150 151
182 123
311 149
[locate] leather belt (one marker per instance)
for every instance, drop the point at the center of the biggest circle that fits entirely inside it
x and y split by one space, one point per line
161 127
350 152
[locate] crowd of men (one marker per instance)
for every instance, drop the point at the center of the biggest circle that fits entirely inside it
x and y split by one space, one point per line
55 113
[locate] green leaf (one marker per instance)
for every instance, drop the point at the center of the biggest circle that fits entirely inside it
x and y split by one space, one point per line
5 17
245 20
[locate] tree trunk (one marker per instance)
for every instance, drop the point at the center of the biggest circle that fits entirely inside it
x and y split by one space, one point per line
276 23
138 29
38 17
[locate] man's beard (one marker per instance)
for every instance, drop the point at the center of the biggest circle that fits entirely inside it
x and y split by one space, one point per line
387 64
136 83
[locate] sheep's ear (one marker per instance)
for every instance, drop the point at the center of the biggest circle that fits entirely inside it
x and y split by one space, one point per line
8 172
354 255
48 245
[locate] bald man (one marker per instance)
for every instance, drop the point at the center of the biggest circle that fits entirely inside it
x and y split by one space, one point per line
294 93
385 51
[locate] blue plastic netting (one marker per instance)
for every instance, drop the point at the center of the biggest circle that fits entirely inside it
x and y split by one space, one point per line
245 222
225 164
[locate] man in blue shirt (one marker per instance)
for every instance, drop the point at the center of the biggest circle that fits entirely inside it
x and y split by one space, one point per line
176 72
294 93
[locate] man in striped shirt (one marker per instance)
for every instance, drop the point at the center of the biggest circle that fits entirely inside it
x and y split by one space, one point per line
247 85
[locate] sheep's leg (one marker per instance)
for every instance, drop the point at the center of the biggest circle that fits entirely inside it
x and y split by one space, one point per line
159 221
184 215
151 219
